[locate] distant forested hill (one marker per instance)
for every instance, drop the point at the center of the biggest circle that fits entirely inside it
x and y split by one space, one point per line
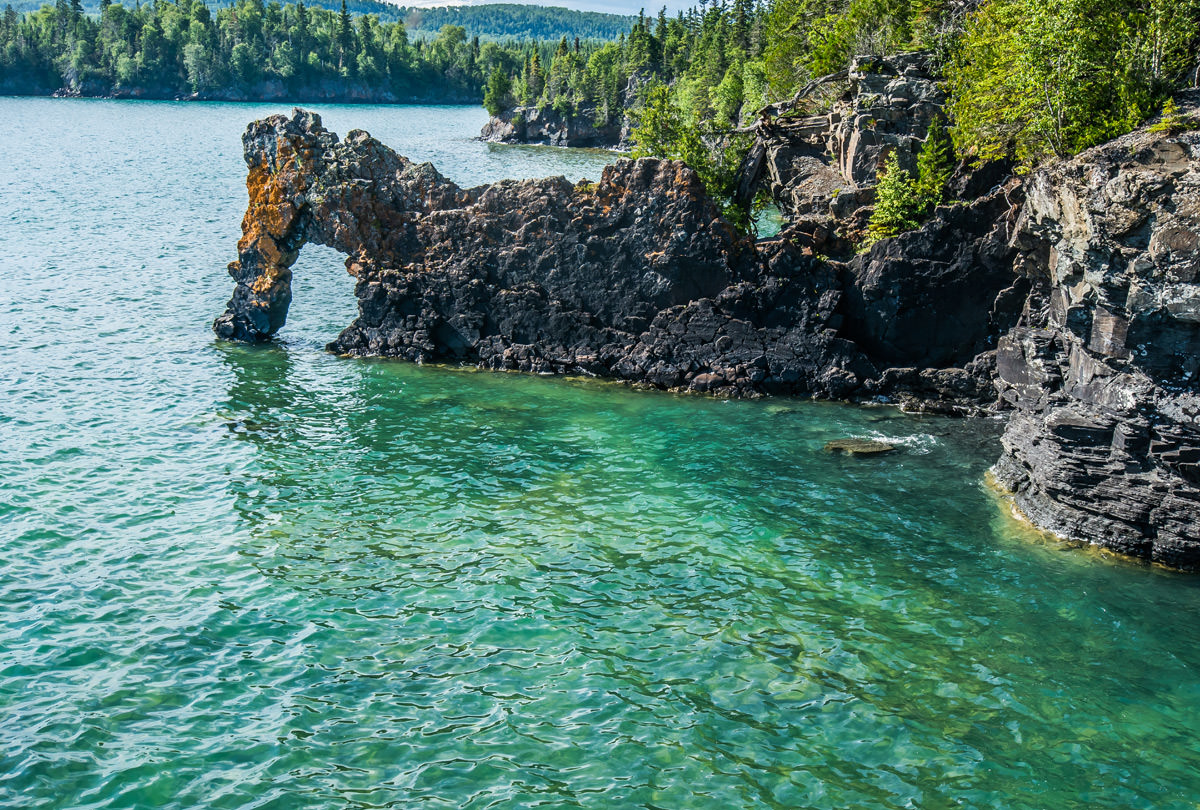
498 21
507 20
244 51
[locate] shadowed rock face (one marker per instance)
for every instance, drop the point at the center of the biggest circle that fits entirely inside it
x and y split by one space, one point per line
939 297
1104 368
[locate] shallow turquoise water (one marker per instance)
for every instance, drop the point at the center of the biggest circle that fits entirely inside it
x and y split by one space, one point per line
266 577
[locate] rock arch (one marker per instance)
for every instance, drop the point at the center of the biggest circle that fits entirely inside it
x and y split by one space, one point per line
355 196
538 274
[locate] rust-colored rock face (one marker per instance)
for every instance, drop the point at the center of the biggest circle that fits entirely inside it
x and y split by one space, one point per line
304 186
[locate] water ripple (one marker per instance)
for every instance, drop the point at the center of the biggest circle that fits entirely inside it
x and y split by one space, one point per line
265 577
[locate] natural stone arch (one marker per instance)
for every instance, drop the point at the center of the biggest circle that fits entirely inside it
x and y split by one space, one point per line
356 196
536 267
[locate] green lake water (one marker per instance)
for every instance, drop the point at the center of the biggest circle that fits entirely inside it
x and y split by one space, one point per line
268 577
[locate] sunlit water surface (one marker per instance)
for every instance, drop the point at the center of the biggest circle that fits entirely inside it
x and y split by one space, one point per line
268 577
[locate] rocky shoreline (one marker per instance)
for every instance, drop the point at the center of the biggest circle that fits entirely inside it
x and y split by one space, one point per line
545 127
586 127
1102 370
996 303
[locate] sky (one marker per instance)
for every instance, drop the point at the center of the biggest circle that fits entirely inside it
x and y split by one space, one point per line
612 7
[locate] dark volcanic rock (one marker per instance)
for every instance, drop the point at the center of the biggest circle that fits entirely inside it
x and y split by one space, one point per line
1104 368
1094 339
541 276
636 277
940 295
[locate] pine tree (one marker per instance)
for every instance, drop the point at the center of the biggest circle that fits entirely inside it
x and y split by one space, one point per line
496 95
1172 120
935 165
345 38
896 203
535 78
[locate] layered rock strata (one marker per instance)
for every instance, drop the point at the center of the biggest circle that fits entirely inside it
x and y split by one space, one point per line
1103 370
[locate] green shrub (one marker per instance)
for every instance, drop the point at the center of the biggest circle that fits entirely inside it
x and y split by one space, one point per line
935 165
1172 120
897 203
903 202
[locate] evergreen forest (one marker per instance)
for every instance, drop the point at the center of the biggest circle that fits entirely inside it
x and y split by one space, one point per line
1028 79
251 50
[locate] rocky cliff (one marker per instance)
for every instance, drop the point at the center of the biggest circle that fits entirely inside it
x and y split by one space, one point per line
1071 295
1103 369
823 166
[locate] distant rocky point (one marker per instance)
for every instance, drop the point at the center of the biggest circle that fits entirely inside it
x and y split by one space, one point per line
543 126
586 127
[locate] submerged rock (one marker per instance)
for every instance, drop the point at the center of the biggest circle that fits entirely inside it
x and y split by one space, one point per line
859 447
